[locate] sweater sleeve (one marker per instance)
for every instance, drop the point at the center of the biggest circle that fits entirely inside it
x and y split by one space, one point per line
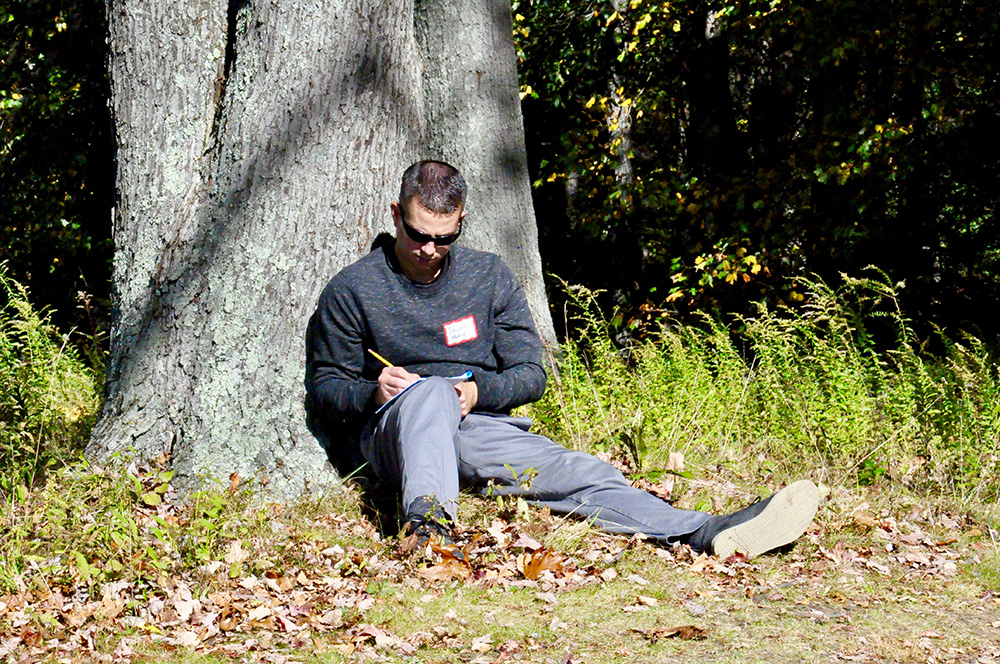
520 376
335 354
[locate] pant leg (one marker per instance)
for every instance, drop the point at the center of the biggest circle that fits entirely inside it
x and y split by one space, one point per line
567 481
412 444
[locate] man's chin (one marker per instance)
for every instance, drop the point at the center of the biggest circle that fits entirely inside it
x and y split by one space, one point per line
429 266
425 269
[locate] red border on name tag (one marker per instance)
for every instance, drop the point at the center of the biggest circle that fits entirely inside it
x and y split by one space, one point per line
457 331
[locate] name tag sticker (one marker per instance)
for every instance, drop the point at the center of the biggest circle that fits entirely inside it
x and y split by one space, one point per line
461 330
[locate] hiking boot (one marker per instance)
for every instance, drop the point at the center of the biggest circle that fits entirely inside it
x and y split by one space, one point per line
765 525
427 528
427 522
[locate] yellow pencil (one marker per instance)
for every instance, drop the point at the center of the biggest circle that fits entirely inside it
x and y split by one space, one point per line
380 358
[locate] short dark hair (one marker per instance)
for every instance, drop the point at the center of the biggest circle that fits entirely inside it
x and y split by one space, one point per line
437 186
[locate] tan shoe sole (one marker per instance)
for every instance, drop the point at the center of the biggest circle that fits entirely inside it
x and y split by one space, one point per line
785 518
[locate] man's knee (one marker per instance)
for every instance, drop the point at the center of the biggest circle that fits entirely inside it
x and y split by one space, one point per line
434 397
433 389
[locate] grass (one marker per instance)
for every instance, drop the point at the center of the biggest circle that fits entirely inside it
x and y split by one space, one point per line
899 565
852 588
49 391
814 396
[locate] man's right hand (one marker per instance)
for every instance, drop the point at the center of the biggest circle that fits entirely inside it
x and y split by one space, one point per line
391 382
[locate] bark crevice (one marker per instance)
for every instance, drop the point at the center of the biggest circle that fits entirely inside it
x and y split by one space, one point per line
229 60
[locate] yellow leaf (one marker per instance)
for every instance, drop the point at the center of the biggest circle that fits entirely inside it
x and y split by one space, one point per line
590 102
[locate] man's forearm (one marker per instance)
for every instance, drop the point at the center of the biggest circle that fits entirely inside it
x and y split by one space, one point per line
351 398
518 385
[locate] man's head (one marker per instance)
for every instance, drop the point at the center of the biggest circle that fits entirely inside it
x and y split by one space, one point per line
428 217
435 185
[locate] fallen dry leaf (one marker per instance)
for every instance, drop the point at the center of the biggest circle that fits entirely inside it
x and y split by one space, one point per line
482 643
446 570
864 520
531 565
235 553
685 632
528 543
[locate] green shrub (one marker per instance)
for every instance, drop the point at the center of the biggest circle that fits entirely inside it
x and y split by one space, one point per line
49 394
799 391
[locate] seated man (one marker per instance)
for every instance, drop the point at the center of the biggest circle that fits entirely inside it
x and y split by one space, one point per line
433 309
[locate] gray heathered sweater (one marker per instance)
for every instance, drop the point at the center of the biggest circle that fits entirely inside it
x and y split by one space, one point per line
371 304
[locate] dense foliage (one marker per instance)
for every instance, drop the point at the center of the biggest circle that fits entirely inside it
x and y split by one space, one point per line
816 397
702 152
56 155
49 391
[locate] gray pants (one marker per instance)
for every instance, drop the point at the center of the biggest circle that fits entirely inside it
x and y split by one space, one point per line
423 445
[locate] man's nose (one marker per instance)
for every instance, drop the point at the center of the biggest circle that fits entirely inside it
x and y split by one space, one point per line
428 248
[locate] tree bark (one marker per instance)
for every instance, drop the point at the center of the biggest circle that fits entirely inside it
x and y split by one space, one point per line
259 146
474 122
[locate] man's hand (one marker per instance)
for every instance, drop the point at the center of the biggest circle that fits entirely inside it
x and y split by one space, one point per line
468 395
391 382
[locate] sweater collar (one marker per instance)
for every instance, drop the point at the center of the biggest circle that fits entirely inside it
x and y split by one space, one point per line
388 250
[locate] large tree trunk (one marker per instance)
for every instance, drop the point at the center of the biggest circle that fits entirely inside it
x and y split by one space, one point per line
259 146
474 121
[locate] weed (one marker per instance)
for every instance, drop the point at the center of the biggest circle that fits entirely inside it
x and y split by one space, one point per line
49 394
813 396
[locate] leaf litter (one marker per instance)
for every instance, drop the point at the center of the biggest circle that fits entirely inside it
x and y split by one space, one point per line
271 595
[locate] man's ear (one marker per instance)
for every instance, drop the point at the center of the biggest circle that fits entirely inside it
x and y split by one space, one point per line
397 216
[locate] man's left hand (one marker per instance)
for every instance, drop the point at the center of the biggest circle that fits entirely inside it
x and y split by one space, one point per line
468 395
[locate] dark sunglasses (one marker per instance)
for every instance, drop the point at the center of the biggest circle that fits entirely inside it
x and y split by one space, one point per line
424 238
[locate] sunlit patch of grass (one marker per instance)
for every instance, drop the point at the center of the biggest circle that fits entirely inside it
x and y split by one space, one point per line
985 569
802 392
